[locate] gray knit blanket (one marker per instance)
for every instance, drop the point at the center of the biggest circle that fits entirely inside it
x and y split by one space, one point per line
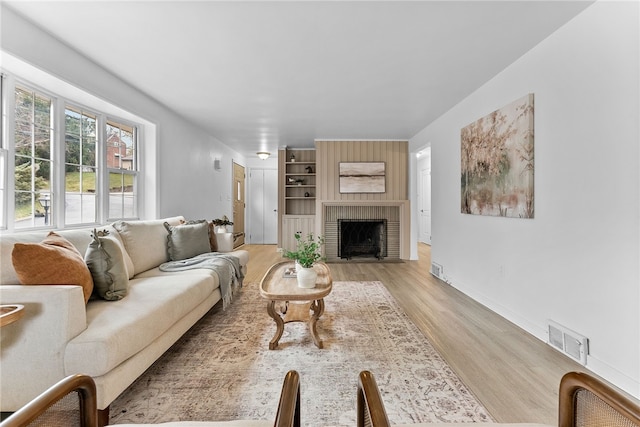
226 266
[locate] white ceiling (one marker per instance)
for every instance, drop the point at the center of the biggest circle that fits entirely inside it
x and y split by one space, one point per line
260 75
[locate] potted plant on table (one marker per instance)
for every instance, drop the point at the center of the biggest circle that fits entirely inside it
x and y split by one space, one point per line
221 224
309 251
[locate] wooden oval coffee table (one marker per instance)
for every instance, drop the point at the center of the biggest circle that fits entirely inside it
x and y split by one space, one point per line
10 313
300 304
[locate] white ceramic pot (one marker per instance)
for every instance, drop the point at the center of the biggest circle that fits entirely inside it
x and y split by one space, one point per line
222 229
307 277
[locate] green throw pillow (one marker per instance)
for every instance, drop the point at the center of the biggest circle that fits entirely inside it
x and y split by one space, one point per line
187 240
105 260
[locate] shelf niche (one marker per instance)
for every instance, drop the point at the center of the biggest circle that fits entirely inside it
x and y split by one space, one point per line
297 194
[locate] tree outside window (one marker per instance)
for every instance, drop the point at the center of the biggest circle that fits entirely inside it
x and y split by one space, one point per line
33 164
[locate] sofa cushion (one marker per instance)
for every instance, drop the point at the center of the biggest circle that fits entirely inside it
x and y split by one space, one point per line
54 261
105 260
117 330
241 254
146 241
187 240
154 272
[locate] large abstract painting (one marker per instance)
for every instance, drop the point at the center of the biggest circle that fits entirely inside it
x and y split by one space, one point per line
497 162
362 177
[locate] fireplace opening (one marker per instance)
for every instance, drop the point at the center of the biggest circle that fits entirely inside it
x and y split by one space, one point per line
362 238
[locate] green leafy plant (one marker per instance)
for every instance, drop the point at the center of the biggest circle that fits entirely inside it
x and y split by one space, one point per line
309 250
222 221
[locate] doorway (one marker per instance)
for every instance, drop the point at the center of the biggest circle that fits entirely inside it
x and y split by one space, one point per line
238 205
424 194
263 209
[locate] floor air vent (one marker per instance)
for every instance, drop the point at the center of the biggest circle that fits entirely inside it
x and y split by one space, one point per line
436 270
570 343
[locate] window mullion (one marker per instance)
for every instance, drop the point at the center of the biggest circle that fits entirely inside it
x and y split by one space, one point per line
8 141
32 125
57 158
102 174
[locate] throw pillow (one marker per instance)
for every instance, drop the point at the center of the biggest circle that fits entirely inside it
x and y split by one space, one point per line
54 261
187 240
105 260
145 241
213 240
114 234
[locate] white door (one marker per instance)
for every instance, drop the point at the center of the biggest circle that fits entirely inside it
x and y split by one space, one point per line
425 203
270 206
263 206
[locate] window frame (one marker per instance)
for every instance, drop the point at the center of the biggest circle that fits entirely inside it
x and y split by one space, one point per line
59 106
81 110
135 171
51 216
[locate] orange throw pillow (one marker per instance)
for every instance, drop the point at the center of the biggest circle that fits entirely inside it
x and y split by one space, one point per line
54 261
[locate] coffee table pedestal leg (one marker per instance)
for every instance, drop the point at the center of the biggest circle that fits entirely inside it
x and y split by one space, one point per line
318 308
273 344
296 312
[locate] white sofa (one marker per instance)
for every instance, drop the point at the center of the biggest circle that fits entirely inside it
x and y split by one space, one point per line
112 341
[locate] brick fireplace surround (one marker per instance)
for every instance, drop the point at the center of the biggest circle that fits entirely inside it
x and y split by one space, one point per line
396 213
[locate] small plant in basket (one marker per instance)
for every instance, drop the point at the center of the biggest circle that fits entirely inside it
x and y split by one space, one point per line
221 223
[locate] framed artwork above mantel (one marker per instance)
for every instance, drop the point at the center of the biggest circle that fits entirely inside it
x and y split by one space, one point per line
362 177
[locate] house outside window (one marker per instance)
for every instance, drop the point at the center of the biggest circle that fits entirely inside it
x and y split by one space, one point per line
123 169
80 166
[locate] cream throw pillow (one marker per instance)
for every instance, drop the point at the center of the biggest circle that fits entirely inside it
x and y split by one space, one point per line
145 241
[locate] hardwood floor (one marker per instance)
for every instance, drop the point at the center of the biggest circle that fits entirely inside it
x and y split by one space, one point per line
515 375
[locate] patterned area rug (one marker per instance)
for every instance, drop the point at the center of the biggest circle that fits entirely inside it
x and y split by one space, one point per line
222 369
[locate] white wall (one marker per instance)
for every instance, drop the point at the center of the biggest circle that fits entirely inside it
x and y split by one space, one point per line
184 181
578 261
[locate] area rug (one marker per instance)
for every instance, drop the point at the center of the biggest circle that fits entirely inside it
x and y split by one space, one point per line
222 369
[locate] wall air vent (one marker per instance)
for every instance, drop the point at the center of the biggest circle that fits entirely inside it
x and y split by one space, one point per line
568 342
436 270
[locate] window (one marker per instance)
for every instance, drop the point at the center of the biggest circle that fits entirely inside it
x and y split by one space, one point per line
33 136
4 156
122 166
64 164
80 167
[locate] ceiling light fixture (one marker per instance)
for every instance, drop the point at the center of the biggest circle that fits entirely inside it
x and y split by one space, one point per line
263 155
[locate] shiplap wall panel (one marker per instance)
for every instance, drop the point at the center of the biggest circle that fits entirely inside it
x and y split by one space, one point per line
394 154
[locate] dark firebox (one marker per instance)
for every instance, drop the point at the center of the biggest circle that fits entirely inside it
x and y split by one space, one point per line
362 238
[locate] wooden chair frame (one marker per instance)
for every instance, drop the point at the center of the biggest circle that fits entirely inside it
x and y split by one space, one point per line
370 408
83 385
574 382
288 414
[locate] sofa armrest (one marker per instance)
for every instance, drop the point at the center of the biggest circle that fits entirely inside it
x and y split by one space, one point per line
53 315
